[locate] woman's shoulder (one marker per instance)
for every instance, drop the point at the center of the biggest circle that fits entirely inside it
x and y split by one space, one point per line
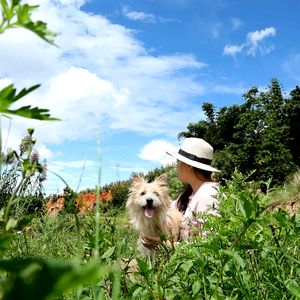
209 187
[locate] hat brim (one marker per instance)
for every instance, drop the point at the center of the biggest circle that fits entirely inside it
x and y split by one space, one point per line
193 163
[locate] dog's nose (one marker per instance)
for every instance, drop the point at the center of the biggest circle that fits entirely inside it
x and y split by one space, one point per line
149 201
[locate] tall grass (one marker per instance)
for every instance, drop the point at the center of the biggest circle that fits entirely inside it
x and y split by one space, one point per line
250 252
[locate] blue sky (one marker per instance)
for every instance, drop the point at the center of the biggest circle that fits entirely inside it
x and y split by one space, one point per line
138 72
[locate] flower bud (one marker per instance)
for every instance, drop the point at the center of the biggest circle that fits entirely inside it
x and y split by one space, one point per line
33 141
30 130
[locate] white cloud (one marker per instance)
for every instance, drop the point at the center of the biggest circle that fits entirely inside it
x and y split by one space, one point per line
138 16
156 151
44 152
144 17
101 78
292 67
4 82
232 49
100 74
255 41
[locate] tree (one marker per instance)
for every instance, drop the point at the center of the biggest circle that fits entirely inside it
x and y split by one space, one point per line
260 134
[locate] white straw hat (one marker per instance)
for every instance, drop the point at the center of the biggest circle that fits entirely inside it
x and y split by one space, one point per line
197 153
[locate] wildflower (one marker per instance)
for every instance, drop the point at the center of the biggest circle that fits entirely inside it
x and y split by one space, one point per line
30 131
24 146
34 158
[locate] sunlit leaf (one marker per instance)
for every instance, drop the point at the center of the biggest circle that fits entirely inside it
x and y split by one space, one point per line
196 287
108 253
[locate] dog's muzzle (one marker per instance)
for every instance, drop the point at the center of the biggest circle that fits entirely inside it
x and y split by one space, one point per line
149 208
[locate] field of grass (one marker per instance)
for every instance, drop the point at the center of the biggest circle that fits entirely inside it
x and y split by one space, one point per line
250 252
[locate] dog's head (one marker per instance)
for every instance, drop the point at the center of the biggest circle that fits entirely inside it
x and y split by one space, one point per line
148 197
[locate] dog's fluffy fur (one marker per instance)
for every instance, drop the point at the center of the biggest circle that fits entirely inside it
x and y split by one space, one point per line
149 205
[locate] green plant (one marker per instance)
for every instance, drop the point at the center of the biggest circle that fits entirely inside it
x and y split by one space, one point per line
260 134
29 197
33 278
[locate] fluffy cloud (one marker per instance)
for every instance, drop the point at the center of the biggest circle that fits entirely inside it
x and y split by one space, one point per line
255 41
98 76
232 49
156 151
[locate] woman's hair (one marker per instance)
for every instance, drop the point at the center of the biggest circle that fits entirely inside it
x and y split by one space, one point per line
183 199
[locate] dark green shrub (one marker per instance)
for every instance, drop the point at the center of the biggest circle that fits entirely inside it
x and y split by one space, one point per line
119 192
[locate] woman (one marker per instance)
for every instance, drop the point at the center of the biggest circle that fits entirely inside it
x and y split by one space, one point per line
193 166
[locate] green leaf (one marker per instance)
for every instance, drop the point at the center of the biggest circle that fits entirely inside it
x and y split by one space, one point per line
186 266
235 256
8 97
228 252
5 240
47 278
121 247
239 260
26 164
11 224
108 253
32 113
78 276
24 20
136 292
6 10
248 208
294 289
196 287
242 210
280 219
143 267
213 247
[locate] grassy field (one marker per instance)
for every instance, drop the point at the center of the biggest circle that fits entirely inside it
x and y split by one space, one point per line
250 252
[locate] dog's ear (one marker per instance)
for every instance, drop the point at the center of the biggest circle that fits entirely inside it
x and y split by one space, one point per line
162 179
136 179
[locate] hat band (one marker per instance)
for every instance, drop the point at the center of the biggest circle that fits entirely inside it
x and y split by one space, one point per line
195 157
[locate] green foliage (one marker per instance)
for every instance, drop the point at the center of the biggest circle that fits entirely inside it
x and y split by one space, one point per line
119 193
15 15
238 255
248 252
260 134
23 166
8 97
45 277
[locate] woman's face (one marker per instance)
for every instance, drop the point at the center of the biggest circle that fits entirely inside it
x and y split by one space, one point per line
183 171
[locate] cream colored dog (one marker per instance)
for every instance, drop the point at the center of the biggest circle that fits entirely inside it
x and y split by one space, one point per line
149 205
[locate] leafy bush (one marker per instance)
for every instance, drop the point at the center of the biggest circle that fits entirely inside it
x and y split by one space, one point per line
119 193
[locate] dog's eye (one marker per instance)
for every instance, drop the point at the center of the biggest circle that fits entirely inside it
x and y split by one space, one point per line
143 193
156 193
